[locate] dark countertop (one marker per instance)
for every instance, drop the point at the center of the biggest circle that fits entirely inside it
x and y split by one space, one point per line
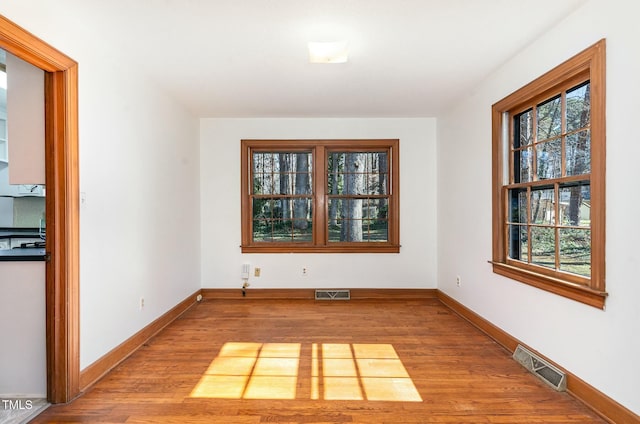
22 254
6 232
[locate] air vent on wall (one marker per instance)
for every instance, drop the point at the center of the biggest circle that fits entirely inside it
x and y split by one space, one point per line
333 295
541 368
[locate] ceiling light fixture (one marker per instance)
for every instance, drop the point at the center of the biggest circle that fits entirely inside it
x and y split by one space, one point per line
328 52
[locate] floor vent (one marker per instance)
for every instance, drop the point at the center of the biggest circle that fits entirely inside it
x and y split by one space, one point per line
541 368
333 295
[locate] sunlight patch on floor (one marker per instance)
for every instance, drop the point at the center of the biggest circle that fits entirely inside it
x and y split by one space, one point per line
339 371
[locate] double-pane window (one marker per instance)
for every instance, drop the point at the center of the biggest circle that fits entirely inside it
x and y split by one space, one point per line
320 196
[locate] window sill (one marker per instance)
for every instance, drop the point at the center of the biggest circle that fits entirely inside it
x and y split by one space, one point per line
386 248
569 290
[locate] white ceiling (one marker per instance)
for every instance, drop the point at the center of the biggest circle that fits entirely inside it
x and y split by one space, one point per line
248 58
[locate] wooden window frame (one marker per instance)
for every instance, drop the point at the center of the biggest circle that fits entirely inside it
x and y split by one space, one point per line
586 65
320 243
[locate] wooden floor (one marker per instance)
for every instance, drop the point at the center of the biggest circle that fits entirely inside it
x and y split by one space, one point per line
302 361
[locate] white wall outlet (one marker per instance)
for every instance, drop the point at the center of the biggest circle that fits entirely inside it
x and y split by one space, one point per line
305 271
458 281
141 303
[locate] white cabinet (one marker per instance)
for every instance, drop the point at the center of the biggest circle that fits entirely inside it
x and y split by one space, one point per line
4 150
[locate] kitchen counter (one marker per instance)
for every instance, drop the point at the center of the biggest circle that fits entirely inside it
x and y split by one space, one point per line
21 253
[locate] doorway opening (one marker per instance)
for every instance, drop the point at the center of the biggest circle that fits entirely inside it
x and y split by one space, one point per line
62 205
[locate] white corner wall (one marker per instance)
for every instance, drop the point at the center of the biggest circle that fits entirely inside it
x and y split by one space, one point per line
413 267
600 347
139 178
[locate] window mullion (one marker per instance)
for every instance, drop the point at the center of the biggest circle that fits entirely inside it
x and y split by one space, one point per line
529 216
556 223
534 144
320 170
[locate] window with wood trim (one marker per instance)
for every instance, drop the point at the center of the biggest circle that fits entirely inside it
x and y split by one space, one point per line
549 180
320 196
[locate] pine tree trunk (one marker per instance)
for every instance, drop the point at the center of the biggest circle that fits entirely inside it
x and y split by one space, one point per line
351 229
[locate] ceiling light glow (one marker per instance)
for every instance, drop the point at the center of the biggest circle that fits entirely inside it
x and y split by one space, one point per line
328 52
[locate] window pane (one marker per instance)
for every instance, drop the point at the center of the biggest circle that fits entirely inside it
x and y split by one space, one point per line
579 153
374 225
258 184
542 206
301 208
383 172
302 230
357 220
282 173
335 165
262 230
575 205
262 173
578 107
575 251
262 208
351 225
522 161
518 209
549 119
376 230
282 230
524 129
549 159
543 246
335 218
362 173
301 173
518 242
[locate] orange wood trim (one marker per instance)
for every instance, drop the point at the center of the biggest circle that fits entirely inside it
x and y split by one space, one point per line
30 48
600 403
598 166
91 374
330 248
245 166
356 294
499 335
61 158
208 294
572 291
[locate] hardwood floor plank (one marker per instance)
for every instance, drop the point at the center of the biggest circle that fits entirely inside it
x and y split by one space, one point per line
374 349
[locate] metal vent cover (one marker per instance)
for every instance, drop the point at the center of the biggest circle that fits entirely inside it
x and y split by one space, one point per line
333 294
541 368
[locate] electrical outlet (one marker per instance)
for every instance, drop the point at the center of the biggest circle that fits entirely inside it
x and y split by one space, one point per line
305 271
458 281
256 272
141 303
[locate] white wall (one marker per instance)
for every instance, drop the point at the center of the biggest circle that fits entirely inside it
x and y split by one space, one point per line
23 360
601 347
413 267
139 229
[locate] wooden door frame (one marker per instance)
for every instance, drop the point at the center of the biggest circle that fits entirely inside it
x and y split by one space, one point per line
62 206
